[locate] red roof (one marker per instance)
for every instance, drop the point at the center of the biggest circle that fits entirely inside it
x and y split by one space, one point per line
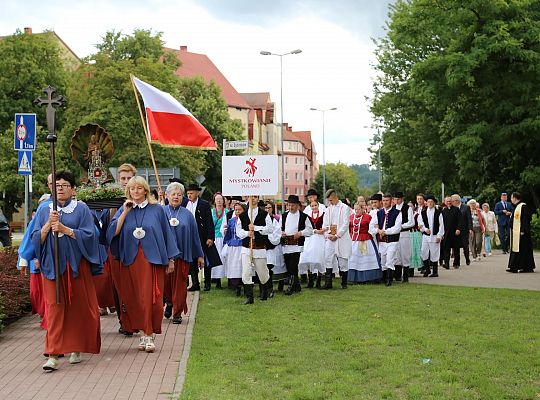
194 64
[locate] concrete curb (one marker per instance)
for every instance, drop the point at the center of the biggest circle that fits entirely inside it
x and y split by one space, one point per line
182 366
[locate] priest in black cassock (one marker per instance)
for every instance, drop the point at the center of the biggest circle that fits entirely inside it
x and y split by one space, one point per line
521 248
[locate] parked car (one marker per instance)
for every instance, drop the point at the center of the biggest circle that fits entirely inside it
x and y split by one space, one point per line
5 231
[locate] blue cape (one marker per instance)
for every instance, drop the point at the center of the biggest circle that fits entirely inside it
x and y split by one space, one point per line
158 244
185 233
26 248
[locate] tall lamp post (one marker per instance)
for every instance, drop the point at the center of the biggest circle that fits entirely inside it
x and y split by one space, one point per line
322 111
268 53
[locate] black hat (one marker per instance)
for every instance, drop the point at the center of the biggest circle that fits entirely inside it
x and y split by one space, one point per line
193 186
398 195
260 203
376 196
237 198
312 192
172 180
293 199
430 197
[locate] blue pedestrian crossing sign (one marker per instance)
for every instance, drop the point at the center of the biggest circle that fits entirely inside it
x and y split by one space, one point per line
25 132
25 163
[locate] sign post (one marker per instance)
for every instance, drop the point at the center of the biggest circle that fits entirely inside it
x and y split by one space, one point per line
25 143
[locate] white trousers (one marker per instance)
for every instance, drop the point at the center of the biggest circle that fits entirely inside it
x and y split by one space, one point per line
388 252
431 251
331 260
403 256
259 267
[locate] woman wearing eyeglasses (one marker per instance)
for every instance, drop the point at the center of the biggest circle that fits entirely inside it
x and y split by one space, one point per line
73 325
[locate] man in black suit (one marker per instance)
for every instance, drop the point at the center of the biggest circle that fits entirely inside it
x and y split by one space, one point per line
203 217
452 238
465 228
503 211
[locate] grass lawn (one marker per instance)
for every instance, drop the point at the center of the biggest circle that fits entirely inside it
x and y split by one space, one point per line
368 342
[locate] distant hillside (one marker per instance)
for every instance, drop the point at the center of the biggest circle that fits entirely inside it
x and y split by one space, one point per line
367 178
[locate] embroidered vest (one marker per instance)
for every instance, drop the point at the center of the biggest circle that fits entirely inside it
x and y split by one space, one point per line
301 225
258 240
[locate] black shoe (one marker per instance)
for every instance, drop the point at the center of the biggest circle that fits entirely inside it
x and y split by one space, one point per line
238 291
177 320
218 284
411 272
207 286
318 283
194 288
446 266
468 262
249 294
303 278
512 271
168 311
280 285
405 274
526 271
264 291
427 270
296 285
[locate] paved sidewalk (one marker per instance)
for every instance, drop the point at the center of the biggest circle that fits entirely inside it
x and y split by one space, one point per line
120 371
490 272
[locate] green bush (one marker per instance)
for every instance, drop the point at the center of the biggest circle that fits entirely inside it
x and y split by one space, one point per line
535 229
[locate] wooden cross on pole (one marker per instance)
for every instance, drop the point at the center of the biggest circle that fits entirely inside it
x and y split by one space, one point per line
50 101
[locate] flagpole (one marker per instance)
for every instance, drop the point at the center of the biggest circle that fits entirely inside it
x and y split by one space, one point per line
145 131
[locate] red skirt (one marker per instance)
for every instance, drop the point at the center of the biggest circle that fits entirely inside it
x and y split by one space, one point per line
141 295
36 295
176 287
104 287
73 325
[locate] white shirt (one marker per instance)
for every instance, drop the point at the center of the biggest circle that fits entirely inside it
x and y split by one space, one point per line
430 219
410 214
192 206
339 215
309 211
291 227
397 225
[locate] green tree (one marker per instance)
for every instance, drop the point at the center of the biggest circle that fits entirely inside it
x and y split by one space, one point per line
340 177
28 63
457 96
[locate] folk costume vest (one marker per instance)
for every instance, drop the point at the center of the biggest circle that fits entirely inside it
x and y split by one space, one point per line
388 220
435 230
259 241
301 225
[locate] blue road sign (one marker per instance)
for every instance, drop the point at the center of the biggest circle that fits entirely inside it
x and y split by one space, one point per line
25 132
25 163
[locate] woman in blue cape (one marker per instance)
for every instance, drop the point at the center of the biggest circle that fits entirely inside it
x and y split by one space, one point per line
73 325
140 238
184 229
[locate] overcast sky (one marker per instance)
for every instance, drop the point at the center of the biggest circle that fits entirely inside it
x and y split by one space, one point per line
333 70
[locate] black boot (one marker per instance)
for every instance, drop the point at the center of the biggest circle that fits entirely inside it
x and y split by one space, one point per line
280 285
405 274
207 279
390 277
296 286
290 288
270 285
168 310
238 291
310 281
261 291
397 273
426 268
303 278
435 266
264 290
195 284
319 278
249 294
218 284
384 276
411 272
344 275
328 279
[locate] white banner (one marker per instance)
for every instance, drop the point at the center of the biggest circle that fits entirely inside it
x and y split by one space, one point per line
249 175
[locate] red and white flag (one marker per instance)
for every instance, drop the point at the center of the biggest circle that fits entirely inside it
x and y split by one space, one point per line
169 122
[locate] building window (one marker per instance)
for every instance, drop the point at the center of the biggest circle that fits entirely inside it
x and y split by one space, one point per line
296 160
286 176
286 190
305 167
286 160
296 191
302 191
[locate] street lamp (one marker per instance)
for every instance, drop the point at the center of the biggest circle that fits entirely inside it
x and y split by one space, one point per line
268 53
323 148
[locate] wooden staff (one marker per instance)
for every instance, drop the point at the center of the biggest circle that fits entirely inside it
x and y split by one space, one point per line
51 138
145 131
251 238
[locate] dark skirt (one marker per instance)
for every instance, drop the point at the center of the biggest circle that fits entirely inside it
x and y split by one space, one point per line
104 287
176 287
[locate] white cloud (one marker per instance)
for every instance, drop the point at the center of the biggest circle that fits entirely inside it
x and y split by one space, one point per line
332 71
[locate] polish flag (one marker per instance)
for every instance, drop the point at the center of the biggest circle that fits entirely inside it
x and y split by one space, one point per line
169 122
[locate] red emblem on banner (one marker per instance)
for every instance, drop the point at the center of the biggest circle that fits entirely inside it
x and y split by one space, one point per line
250 170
